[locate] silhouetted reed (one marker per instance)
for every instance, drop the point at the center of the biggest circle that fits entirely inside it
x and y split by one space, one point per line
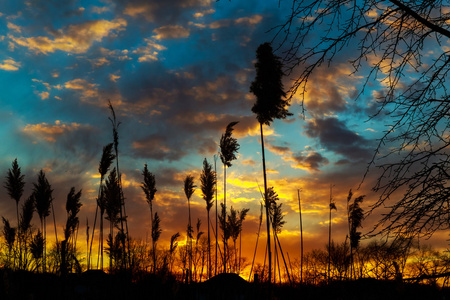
269 105
228 147
208 181
189 189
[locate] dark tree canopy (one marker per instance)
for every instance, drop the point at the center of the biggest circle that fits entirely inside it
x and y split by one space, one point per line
271 102
402 46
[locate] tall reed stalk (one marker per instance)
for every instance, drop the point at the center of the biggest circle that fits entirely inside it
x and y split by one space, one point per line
189 189
208 186
43 198
149 188
103 168
228 147
14 184
123 215
271 103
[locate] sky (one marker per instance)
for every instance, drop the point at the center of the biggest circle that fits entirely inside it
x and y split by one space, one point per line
177 72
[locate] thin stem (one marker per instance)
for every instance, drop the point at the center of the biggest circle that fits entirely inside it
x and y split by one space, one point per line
267 204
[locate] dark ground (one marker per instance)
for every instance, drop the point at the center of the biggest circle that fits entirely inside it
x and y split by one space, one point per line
98 285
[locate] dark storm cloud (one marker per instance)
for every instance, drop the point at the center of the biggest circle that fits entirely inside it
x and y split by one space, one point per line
281 150
193 89
71 141
180 113
194 135
328 90
334 135
53 10
159 147
311 161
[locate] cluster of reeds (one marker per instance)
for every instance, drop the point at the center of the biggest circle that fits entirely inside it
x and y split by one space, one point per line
27 247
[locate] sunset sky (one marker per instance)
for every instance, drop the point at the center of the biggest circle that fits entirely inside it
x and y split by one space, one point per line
177 72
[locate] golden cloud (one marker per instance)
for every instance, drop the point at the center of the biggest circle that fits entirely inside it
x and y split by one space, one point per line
14 27
134 10
203 13
328 90
44 95
149 9
76 39
150 51
99 10
114 77
198 118
253 20
99 61
220 24
246 21
50 132
89 90
10 65
171 32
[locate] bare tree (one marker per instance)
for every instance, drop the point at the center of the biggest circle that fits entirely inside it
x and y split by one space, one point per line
392 38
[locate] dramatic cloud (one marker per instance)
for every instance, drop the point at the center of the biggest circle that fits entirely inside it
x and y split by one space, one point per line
74 38
334 135
247 21
308 160
171 32
149 52
157 147
329 90
88 90
177 72
50 132
161 11
311 161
